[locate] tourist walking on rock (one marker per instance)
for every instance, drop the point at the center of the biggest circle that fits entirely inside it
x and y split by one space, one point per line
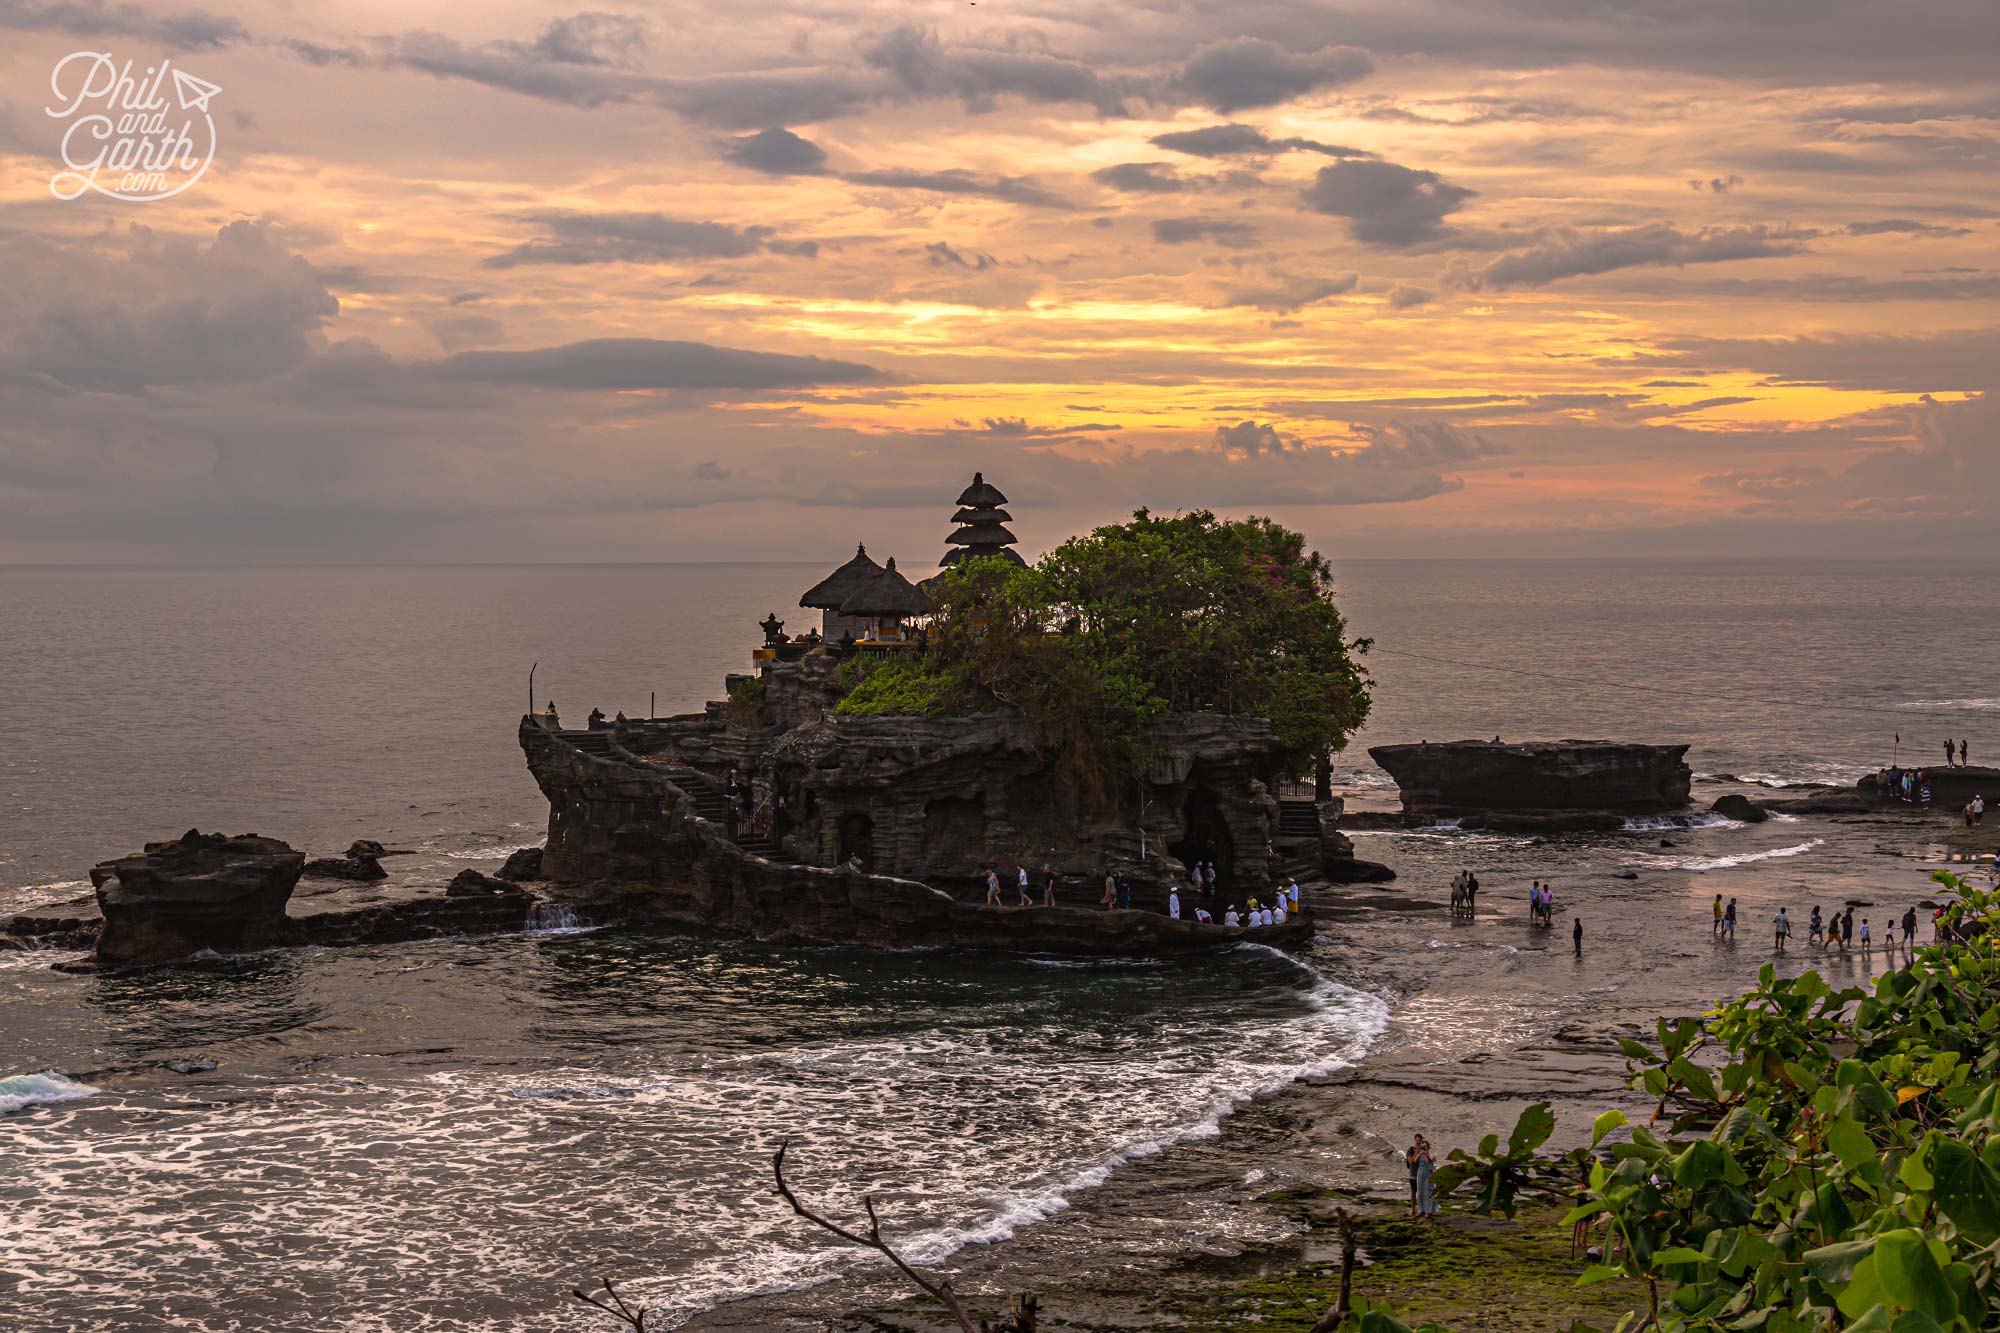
1576 936
1962 761
1110 891
1949 762
1021 888
1783 929
1174 903
1426 1201
1978 808
1048 886
992 887
1124 894
1411 1156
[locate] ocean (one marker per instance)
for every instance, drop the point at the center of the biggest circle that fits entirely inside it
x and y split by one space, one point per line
451 1134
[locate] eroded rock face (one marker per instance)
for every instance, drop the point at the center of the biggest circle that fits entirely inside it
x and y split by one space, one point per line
472 884
200 891
1537 785
625 843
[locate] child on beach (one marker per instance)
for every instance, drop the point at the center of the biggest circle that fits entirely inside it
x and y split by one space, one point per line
1815 931
1865 946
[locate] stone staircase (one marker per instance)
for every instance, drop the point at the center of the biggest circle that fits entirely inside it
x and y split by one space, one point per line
705 794
1296 819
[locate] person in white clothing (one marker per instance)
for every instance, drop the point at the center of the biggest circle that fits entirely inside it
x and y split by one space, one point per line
1201 915
1174 903
1278 913
1229 918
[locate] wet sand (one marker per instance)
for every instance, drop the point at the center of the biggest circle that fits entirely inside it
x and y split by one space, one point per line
1488 1015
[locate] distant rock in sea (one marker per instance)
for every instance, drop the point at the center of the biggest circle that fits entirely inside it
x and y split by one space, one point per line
200 891
1535 786
1740 808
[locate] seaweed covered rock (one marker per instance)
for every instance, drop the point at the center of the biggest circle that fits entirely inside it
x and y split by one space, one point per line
354 865
200 891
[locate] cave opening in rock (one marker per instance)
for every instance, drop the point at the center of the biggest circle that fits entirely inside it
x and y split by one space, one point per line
1204 836
857 839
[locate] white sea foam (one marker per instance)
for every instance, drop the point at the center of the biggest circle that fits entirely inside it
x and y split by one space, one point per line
1968 705
1669 823
28 897
1701 864
21 1091
499 853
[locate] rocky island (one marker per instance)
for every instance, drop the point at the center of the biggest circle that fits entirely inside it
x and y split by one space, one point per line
1537 786
863 784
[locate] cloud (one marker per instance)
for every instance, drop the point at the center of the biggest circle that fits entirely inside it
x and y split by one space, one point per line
638 238
1716 184
1386 204
1404 296
1937 362
187 30
1249 439
623 364
942 255
593 38
1179 231
144 310
1012 189
1289 294
921 66
1567 252
1140 178
1244 140
1903 226
1242 72
776 152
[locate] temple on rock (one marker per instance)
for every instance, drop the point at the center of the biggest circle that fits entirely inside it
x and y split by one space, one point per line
771 813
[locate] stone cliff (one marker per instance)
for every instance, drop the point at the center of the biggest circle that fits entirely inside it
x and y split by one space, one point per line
627 841
1537 784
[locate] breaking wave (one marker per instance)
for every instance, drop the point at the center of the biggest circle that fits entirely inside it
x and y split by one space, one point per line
1706 863
20 1091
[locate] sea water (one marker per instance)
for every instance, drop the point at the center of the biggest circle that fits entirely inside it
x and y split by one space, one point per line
450 1134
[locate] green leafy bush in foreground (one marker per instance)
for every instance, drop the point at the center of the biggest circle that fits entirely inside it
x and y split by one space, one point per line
1818 1159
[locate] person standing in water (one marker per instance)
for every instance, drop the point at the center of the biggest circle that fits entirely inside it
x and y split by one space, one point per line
1576 936
1910 928
1715 918
1783 929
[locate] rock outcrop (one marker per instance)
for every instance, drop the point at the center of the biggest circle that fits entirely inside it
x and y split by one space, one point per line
523 867
627 844
1537 785
201 891
472 884
351 866
1740 808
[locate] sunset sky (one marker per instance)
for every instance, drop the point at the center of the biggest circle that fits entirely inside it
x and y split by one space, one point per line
753 281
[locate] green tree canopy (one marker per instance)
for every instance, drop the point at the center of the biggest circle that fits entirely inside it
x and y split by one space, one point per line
1112 630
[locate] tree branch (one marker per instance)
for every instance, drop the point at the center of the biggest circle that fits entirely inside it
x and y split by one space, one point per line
939 1291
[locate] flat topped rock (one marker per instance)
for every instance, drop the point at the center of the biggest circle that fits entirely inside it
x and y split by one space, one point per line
1554 779
199 891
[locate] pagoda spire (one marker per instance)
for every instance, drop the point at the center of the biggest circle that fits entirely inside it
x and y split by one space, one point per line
982 525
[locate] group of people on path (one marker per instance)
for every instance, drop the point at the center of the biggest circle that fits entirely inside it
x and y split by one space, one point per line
1283 906
1836 930
1542 904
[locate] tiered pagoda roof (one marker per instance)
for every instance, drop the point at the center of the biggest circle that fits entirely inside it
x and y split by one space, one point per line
982 525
